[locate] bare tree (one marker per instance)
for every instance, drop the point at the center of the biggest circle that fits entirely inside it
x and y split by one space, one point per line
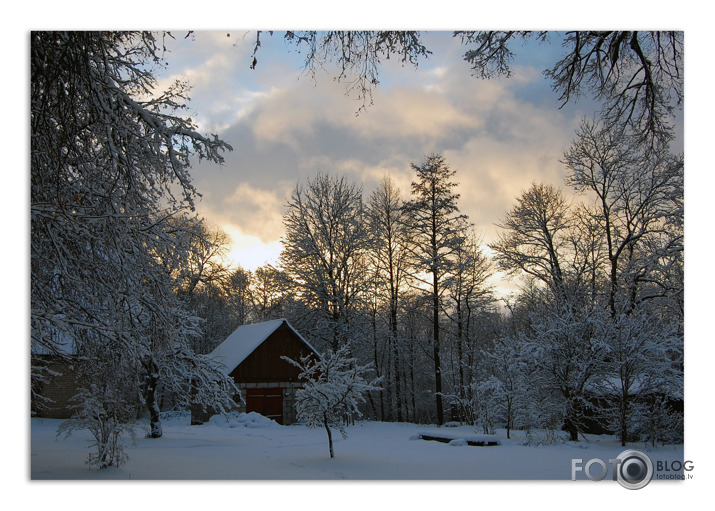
324 252
565 348
468 295
105 153
109 170
389 250
206 261
534 237
239 296
638 192
268 287
604 330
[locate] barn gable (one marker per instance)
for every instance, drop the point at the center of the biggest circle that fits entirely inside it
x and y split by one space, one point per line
252 352
252 356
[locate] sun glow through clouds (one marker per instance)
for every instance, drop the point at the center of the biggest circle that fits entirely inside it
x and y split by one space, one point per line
250 252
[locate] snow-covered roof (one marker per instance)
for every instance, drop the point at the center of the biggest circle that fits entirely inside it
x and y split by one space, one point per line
245 339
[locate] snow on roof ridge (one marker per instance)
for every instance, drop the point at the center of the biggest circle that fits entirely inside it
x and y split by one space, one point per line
246 338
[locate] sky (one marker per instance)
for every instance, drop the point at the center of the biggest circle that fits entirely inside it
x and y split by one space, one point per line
285 126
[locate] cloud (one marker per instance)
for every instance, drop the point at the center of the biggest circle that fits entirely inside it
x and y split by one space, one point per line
215 66
500 135
257 212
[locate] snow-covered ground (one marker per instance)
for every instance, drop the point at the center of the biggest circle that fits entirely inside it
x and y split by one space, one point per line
380 466
251 447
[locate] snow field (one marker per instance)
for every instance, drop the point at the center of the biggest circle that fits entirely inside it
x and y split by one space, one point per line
252 447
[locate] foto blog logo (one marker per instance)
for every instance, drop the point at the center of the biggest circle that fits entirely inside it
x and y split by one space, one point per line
632 469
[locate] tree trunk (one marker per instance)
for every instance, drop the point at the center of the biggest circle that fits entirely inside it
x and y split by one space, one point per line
570 422
614 286
413 392
396 361
571 429
376 361
152 381
624 419
372 405
330 435
509 417
435 340
460 353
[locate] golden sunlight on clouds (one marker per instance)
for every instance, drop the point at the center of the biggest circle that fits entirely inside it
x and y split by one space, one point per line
250 252
258 211
406 113
399 172
290 115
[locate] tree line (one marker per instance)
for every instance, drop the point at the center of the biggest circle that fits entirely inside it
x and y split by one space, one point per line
593 338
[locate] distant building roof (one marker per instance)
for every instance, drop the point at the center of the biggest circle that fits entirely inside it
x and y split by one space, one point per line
245 339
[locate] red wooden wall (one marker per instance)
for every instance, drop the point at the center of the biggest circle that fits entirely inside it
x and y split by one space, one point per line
265 363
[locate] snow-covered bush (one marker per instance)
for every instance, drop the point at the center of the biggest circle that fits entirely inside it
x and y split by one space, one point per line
334 388
106 402
657 421
106 414
642 361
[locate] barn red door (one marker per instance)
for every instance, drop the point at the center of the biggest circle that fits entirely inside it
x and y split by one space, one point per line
267 402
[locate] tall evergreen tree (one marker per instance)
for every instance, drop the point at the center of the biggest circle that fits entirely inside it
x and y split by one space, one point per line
437 232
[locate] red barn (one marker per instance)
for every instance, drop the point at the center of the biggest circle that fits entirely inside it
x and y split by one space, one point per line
252 357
